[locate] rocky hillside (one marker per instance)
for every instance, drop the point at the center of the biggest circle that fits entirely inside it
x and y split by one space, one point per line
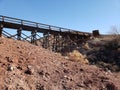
27 67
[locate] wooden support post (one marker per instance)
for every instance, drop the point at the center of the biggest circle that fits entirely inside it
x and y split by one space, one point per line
62 41
44 41
56 43
1 28
69 44
59 42
48 42
59 39
19 34
53 43
33 37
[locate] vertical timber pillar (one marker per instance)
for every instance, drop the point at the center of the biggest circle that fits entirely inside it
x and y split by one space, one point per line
19 34
54 46
43 43
59 39
57 43
46 43
33 37
1 28
53 43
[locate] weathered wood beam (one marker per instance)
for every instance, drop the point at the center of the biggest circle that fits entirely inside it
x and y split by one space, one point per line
33 36
19 33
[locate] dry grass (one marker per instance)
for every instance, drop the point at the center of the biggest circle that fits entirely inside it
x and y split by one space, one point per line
78 57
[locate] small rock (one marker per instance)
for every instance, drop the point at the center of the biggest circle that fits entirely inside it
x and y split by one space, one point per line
81 70
66 57
19 67
40 87
29 70
66 71
41 73
81 88
29 67
10 68
9 59
68 78
65 76
111 86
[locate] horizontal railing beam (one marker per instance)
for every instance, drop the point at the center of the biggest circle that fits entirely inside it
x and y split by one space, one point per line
37 25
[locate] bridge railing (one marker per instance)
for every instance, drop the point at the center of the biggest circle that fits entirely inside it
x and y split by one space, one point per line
36 25
39 25
9 19
30 23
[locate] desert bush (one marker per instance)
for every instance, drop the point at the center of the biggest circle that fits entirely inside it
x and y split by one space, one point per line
113 44
75 55
115 39
108 55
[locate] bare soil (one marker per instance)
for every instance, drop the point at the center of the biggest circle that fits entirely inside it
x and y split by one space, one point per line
27 67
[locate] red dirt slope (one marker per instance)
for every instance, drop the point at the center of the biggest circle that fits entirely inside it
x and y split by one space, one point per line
27 67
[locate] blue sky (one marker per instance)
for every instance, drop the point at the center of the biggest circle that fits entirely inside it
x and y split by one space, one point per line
82 15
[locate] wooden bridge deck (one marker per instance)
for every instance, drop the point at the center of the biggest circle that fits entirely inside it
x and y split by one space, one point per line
14 23
24 25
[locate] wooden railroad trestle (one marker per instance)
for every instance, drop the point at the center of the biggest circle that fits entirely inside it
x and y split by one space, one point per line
54 38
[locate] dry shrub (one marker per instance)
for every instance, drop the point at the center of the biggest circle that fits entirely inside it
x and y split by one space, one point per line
115 38
78 57
86 46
